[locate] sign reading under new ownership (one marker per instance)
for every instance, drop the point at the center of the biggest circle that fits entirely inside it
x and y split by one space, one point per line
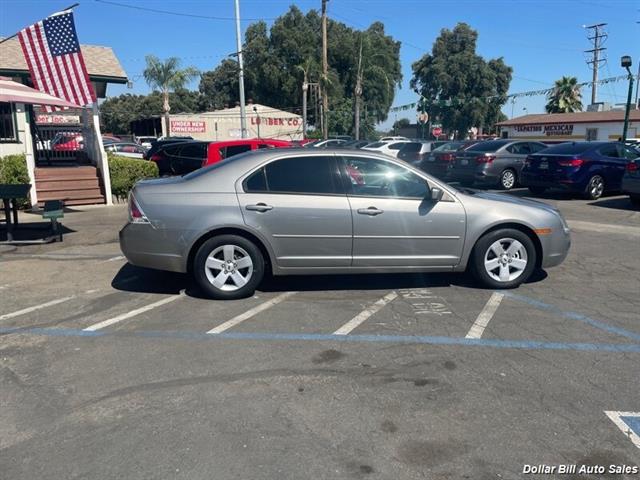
187 126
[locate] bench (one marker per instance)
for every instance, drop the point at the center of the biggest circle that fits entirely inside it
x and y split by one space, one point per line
53 210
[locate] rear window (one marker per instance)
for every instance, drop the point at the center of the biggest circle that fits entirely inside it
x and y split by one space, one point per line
411 147
489 146
448 147
568 148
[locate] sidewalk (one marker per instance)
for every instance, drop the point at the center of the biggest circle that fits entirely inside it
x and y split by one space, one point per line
83 225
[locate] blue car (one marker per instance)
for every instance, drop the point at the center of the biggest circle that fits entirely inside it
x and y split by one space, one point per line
587 168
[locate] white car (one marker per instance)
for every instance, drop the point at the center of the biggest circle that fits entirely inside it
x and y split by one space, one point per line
126 149
390 148
391 139
145 141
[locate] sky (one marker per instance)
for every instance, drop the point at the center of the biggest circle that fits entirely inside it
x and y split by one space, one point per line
542 40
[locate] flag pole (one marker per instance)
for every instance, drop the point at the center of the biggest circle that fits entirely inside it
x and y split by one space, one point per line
15 34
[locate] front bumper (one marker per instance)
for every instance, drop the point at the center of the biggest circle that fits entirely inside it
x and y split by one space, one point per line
555 247
142 245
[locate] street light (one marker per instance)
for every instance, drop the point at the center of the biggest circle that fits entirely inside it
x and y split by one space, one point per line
625 61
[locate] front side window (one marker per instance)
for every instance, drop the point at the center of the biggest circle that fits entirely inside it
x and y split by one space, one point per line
236 149
305 175
519 149
197 150
610 151
372 177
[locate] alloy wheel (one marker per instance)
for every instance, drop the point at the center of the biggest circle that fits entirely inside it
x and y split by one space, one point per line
505 260
228 267
507 179
596 187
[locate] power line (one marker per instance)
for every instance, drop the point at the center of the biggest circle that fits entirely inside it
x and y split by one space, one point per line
178 14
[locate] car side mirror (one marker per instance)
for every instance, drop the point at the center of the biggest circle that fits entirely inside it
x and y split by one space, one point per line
436 194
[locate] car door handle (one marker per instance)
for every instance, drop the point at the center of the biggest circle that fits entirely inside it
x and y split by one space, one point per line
370 211
260 207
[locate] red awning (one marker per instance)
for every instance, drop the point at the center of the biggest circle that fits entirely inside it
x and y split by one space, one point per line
15 92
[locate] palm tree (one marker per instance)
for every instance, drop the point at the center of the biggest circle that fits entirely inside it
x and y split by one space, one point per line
565 96
166 76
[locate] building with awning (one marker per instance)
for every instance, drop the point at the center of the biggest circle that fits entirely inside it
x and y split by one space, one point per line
72 176
591 126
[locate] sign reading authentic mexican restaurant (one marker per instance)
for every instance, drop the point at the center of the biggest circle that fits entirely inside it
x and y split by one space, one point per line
549 130
188 126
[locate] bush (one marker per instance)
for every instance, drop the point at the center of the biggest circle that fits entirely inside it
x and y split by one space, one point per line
13 169
125 172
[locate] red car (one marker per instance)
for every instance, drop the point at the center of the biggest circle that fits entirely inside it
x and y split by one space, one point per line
185 157
71 142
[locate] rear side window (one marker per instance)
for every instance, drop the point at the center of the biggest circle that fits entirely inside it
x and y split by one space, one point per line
232 150
396 146
197 150
310 175
609 151
411 147
519 149
536 147
570 148
172 149
256 182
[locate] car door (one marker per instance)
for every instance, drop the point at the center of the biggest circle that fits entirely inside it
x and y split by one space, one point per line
300 207
191 157
395 224
514 156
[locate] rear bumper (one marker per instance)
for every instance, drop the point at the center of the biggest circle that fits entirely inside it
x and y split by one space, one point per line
563 183
141 245
476 176
631 185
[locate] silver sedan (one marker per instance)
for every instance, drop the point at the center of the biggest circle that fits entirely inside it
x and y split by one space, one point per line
301 212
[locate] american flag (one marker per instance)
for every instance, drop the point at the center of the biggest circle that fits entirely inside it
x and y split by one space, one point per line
52 52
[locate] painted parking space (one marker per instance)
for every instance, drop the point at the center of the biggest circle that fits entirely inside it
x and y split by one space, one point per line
628 423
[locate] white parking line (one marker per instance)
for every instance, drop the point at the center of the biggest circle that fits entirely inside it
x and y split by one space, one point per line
132 313
35 307
250 313
477 329
366 313
113 259
615 418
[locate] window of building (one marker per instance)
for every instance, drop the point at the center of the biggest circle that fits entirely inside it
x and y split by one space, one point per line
592 134
8 131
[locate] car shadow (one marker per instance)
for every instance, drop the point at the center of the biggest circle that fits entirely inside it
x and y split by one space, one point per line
617 203
144 280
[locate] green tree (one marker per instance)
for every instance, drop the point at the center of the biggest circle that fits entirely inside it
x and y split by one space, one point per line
565 96
461 89
167 76
276 61
219 87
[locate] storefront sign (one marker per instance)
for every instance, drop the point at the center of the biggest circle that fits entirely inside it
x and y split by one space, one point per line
290 121
44 119
558 130
187 126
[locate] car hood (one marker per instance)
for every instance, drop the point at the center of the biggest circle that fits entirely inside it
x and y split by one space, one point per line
506 198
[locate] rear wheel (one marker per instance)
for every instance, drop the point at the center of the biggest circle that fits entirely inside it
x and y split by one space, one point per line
507 179
537 190
503 258
595 188
228 267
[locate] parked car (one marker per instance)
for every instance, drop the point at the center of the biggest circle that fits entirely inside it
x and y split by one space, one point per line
299 212
496 163
391 147
185 157
158 144
588 168
439 161
71 142
392 139
126 149
329 143
145 141
355 144
415 151
631 181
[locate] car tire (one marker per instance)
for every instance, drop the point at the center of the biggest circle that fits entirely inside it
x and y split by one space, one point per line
537 190
503 258
507 179
228 267
595 188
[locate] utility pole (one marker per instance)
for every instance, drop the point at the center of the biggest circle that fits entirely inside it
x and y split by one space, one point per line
243 113
358 94
305 87
597 37
325 72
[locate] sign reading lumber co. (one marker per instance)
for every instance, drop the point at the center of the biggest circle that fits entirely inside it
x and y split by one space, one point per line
188 126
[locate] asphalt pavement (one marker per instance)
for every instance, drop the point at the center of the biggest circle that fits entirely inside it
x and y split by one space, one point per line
113 371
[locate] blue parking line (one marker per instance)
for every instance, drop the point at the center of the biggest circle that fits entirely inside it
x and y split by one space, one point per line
573 315
633 423
401 339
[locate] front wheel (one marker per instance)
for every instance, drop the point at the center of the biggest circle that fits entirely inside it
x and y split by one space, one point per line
503 258
228 267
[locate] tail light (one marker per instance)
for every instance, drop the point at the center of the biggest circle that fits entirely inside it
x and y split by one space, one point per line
136 215
485 158
447 157
632 167
155 157
574 162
